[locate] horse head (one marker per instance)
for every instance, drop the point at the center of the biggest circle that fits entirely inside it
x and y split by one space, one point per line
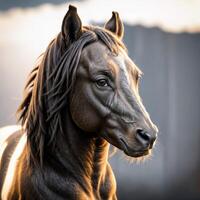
105 99
86 72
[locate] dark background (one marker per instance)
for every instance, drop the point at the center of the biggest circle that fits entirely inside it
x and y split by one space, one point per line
170 90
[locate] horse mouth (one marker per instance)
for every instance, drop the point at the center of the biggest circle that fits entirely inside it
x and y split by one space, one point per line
133 153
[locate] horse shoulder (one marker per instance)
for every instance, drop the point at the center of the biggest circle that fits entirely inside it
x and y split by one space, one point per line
5 133
13 142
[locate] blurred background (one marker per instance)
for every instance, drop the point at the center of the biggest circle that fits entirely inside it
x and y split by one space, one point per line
163 39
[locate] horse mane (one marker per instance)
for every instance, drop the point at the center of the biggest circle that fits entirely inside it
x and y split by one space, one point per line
48 86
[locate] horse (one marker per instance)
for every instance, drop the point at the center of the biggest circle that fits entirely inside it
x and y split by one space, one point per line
81 96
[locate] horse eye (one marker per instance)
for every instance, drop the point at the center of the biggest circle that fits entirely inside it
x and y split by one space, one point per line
102 83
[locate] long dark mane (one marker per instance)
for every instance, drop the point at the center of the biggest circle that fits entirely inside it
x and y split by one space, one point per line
48 87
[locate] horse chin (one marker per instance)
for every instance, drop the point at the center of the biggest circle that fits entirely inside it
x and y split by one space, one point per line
138 159
137 154
132 152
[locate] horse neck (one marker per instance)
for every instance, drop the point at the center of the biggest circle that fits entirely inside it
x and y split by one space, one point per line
83 155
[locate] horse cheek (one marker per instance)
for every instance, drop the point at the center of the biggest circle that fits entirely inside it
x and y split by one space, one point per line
83 114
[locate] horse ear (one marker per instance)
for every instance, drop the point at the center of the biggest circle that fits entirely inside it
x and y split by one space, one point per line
115 25
71 25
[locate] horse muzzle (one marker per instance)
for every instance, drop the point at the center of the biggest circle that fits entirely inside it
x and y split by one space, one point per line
143 143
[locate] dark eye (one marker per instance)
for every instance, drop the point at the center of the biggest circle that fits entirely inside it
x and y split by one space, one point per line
102 83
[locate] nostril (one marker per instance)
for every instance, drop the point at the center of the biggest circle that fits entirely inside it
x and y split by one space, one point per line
143 135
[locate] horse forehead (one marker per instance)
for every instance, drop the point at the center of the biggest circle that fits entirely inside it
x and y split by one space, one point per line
121 63
98 53
95 52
